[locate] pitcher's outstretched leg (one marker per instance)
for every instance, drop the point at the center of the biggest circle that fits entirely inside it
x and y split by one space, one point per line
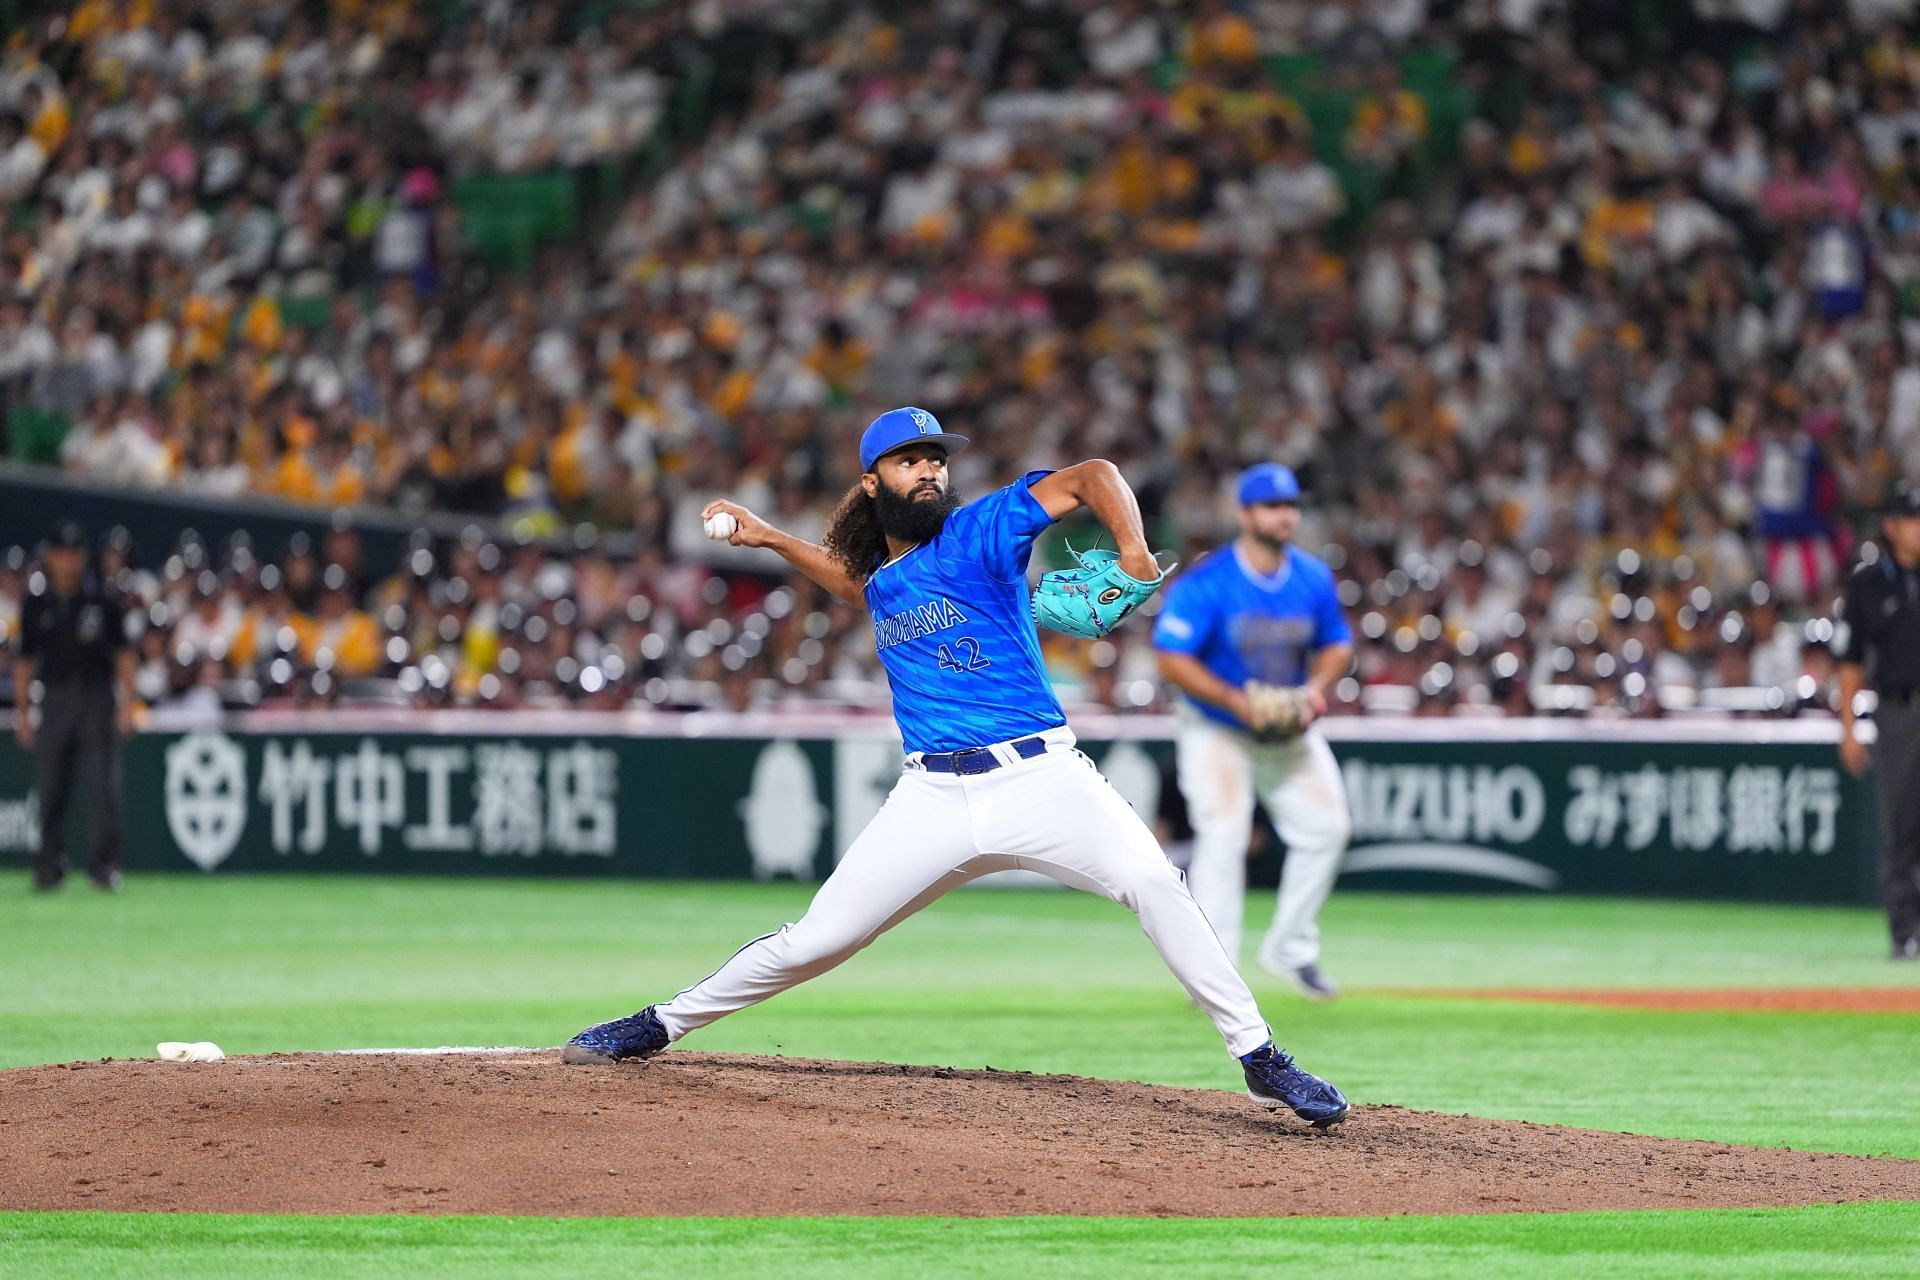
916 848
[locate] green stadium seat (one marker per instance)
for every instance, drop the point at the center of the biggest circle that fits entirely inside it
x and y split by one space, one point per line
686 113
35 434
308 311
1294 72
510 216
1365 188
1329 112
1425 70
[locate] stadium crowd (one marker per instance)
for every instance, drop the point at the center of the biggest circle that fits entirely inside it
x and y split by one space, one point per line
1593 347
231 261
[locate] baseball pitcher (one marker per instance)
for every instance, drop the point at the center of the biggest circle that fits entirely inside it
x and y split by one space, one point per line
992 781
1253 636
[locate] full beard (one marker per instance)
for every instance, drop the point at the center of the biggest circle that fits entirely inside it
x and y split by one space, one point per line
912 519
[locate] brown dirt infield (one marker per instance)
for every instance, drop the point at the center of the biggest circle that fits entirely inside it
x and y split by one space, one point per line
1697 999
694 1133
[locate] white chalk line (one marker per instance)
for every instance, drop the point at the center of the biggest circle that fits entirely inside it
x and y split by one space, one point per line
437 1051
474 1049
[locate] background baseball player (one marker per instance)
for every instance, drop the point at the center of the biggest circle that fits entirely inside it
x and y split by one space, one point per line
1254 637
992 779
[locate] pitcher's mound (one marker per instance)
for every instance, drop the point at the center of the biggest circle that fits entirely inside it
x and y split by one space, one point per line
693 1133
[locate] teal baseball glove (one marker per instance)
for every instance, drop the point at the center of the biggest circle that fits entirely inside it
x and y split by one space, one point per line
1092 600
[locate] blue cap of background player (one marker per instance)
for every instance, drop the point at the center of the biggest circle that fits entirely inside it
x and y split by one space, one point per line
898 427
1268 482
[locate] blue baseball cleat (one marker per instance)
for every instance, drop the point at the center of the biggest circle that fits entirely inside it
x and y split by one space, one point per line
638 1035
1311 983
1274 1082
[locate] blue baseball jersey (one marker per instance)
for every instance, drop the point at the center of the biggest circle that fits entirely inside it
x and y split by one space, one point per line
953 624
1245 626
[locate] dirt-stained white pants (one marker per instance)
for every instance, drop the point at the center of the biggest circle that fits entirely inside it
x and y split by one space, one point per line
1054 814
1222 771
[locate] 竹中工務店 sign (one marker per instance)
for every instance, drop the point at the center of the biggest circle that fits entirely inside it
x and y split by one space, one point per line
416 803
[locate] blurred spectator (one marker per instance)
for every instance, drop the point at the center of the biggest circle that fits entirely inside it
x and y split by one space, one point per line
1509 273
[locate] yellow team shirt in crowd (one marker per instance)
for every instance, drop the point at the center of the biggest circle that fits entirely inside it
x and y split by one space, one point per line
1223 38
353 638
1399 112
1611 222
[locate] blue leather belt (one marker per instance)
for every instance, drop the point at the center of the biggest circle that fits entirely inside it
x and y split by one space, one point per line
979 759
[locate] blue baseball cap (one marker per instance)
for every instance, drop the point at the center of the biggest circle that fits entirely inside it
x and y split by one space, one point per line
1268 482
897 427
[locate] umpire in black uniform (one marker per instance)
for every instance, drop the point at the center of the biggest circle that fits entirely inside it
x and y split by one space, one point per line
1879 640
73 637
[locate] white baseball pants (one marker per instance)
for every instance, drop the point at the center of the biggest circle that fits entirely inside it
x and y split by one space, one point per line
1222 771
1054 814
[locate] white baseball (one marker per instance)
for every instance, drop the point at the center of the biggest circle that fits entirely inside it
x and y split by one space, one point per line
722 525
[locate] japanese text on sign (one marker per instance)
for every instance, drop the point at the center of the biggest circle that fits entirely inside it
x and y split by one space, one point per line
520 800
1746 809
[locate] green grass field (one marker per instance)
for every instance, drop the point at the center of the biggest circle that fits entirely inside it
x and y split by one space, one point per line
1831 1240
1035 981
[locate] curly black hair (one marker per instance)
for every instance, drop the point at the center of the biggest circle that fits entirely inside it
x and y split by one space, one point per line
854 536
